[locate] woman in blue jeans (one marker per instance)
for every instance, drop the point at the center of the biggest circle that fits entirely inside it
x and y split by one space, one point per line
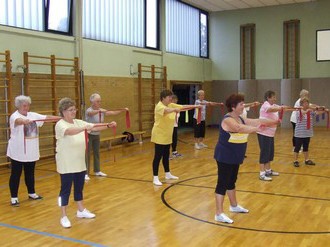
70 157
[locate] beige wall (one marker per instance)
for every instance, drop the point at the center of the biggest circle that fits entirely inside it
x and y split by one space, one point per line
99 58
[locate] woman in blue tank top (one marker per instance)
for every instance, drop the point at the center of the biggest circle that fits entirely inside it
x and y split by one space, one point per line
229 153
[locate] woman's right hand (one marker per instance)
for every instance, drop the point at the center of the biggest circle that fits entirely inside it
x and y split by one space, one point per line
112 124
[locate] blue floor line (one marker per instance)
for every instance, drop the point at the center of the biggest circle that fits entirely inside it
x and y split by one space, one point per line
51 235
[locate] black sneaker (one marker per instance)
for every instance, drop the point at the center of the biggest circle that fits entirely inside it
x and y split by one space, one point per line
296 164
177 155
272 173
309 162
37 197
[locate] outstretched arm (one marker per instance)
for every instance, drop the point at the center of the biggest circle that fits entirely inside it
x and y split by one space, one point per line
257 122
99 127
230 124
116 112
22 121
255 103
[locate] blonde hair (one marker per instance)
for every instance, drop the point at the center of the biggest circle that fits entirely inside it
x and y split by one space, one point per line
303 93
200 92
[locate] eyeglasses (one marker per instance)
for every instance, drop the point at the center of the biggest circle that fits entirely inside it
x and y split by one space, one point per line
72 110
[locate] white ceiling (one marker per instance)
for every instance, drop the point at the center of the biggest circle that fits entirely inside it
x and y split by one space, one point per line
221 5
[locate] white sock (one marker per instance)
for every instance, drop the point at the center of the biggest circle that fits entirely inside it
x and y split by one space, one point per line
156 178
263 173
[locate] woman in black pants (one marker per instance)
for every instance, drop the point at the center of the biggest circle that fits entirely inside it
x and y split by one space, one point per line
229 154
24 130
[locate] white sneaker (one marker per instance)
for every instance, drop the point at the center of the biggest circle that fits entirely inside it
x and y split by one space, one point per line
101 174
238 209
87 177
223 218
197 146
157 182
14 202
65 222
85 214
202 145
170 176
265 178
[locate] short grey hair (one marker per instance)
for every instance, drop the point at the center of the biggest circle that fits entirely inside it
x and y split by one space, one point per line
93 96
19 100
64 104
303 93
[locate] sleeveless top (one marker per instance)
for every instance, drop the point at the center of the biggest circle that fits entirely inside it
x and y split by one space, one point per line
231 147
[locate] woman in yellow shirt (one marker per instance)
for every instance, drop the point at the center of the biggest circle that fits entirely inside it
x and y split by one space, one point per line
162 131
161 134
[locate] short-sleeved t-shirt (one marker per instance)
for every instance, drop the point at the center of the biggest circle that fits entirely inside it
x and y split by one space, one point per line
97 118
301 130
268 131
203 109
245 111
294 114
70 149
23 144
164 123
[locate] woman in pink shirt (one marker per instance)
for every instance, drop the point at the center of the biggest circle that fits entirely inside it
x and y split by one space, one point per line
269 110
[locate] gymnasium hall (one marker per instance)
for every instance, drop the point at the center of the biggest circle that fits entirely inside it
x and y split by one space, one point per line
128 53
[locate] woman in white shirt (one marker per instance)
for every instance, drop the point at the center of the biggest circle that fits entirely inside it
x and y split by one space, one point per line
23 147
70 157
303 94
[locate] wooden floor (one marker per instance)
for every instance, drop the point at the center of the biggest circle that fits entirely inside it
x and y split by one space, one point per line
292 210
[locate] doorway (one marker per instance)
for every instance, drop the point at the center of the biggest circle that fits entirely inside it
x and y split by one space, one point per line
186 96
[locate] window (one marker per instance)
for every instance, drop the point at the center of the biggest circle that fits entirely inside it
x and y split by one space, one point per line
28 14
186 29
39 15
204 35
248 51
291 49
58 16
152 24
322 45
116 21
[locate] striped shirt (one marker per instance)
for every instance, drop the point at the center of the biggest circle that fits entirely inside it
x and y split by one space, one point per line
301 130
